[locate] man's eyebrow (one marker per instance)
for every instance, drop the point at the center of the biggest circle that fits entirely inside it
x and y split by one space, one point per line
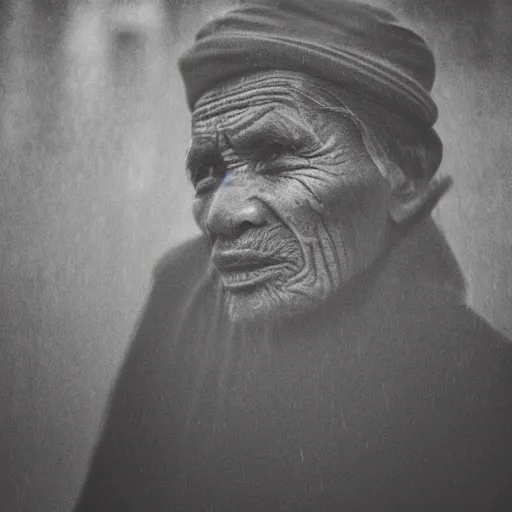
283 130
202 150
197 156
255 140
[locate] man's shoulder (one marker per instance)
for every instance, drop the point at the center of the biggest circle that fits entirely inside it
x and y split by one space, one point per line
177 273
469 325
465 348
183 261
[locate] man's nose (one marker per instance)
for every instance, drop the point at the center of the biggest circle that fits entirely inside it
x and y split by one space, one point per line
235 210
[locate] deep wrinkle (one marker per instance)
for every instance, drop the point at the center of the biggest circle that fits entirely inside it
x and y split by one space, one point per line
249 137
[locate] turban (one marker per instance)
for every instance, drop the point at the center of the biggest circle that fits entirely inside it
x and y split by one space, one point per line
383 70
359 47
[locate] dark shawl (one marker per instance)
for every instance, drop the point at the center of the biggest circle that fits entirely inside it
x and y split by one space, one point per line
393 397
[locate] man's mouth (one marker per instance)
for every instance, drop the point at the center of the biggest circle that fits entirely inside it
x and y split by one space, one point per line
243 269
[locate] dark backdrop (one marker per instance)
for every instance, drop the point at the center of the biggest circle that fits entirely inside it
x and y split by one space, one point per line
93 132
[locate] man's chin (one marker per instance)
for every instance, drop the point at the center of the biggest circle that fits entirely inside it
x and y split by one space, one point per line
242 311
262 306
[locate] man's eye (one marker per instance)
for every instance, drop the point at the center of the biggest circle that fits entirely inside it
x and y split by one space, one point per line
276 159
273 151
207 177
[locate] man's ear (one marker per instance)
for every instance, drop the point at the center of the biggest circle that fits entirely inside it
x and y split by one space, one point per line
415 197
409 199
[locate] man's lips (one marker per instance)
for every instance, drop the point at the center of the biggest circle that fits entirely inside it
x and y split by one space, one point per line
239 260
243 268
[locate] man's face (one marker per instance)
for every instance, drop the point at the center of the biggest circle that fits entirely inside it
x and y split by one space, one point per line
292 202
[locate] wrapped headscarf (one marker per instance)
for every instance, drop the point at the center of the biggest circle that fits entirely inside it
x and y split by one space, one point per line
384 71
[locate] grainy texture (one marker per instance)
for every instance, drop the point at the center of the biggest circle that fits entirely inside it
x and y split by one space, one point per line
92 190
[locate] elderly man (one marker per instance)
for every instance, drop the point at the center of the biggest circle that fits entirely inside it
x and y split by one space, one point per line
312 350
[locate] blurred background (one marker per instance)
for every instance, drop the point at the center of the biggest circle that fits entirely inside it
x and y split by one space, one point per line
93 132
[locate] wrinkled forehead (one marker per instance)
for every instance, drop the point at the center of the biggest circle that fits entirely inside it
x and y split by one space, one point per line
225 107
263 91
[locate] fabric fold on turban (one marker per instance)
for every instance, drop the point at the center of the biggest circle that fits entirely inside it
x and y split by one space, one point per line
358 47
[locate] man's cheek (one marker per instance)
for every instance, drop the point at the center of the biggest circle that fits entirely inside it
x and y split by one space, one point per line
295 205
350 198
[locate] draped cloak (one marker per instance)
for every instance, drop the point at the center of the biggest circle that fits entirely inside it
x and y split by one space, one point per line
392 396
